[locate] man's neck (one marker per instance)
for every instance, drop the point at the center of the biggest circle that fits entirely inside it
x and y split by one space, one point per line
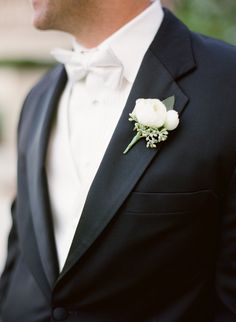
107 21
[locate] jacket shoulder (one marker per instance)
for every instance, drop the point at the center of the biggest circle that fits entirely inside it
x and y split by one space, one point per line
31 107
45 81
38 90
214 53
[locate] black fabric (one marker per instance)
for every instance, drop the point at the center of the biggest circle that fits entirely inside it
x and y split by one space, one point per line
157 237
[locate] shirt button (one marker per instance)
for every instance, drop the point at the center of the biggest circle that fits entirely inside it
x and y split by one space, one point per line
59 314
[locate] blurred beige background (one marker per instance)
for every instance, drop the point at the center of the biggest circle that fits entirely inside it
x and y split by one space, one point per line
18 42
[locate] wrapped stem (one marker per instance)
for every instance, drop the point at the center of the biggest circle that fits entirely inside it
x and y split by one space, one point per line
135 139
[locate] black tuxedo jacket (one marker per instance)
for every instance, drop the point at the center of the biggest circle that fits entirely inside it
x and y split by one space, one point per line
157 238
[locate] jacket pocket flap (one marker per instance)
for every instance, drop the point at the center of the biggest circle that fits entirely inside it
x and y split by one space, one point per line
162 202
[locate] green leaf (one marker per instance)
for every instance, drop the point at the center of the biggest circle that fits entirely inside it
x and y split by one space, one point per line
169 103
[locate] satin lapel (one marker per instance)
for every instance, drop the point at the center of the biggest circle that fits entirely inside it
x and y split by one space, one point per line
39 200
118 173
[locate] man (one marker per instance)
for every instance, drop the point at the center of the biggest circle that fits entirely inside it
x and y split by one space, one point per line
146 236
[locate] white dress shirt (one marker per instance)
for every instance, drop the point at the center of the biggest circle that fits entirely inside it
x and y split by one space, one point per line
84 125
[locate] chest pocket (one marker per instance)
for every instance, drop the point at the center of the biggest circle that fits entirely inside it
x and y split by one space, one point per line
169 203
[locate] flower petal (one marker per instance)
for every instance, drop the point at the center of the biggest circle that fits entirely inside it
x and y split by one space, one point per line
150 112
172 120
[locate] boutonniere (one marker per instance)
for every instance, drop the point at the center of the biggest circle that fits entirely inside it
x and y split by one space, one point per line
153 119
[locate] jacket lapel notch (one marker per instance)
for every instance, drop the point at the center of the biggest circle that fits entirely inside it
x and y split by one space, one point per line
173 46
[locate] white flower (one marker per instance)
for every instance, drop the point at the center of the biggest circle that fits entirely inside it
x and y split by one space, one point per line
150 112
153 119
172 120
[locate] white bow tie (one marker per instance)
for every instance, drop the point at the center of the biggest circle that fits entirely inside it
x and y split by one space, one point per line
98 67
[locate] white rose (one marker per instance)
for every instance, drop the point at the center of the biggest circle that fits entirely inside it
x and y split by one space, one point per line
150 112
172 120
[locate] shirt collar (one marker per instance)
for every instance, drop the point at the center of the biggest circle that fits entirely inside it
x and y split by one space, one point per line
130 42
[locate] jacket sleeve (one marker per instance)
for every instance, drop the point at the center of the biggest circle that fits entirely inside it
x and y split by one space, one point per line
226 263
13 247
12 255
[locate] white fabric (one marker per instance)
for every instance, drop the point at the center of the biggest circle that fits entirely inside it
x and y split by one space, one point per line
85 122
99 67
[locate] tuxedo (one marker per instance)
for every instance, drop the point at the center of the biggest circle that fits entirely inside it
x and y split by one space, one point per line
156 241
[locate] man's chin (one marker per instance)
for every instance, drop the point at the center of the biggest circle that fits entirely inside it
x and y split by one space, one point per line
40 23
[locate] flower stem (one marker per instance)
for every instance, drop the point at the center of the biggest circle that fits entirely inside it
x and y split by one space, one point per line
135 139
